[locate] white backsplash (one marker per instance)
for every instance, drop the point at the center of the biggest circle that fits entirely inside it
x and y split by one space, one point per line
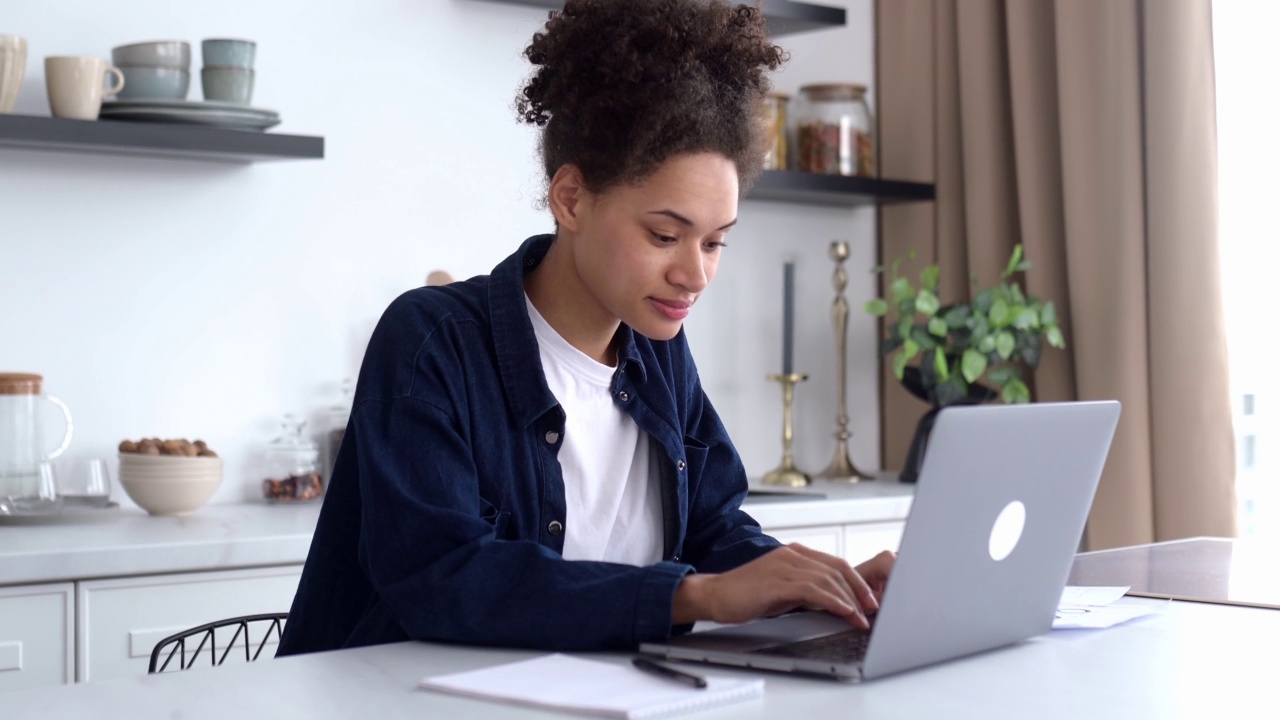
190 299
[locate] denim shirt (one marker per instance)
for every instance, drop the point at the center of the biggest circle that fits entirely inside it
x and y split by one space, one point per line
445 516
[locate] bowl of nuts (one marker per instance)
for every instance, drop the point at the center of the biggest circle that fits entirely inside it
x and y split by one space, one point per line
169 477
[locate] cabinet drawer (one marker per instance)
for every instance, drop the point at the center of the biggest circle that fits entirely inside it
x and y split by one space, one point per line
37 627
827 538
121 620
862 541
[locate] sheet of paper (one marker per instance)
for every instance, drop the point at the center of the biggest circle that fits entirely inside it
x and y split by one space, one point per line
1074 595
1084 617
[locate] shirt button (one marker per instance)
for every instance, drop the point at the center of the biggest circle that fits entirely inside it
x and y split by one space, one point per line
552 436
680 465
623 396
555 527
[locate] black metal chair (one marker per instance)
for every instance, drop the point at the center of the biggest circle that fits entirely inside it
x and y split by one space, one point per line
207 634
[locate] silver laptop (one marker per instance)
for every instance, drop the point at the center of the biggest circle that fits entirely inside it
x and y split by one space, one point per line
999 509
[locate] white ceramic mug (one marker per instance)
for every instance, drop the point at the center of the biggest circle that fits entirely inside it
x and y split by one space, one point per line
75 85
13 64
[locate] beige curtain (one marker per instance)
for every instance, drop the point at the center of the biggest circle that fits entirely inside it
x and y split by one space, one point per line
1083 129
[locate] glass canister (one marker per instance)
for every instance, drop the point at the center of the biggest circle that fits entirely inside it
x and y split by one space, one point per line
338 415
291 465
833 130
775 119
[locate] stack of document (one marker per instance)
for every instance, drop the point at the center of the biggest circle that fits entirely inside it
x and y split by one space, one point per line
590 687
1083 608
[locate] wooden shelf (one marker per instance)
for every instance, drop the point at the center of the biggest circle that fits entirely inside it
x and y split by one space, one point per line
813 189
784 17
163 140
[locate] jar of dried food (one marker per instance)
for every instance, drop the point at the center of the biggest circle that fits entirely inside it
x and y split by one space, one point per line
291 465
833 130
775 119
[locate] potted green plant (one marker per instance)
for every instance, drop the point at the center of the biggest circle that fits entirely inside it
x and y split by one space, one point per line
962 353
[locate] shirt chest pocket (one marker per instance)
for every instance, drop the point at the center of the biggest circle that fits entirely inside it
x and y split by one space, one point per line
694 460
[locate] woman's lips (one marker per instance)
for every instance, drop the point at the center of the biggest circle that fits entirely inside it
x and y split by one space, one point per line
674 309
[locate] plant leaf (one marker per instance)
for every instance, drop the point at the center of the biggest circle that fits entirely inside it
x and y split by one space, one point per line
982 303
1002 375
904 328
1014 260
1015 294
1026 319
937 326
957 316
877 307
910 349
1054 337
1016 392
1048 315
899 364
952 391
999 314
1029 347
972 365
888 345
926 303
923 339
1005 344
940 364
929 278
901 290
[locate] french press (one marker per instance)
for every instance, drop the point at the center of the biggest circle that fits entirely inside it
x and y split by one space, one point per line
26 478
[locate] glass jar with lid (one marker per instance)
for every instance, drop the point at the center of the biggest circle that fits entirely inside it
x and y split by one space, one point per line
291 465
775 123
833 130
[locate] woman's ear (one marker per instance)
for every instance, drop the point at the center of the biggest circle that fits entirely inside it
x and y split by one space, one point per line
566 197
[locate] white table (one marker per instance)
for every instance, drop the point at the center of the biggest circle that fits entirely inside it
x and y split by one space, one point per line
1193 660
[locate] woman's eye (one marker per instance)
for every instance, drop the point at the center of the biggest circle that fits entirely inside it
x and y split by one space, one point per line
667 239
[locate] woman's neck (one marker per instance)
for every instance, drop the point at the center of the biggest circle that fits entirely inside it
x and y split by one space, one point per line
557 291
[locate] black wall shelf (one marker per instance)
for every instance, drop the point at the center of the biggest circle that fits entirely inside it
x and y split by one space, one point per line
164 140
784 17
814 189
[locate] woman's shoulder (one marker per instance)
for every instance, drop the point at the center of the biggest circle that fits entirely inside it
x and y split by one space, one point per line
419 314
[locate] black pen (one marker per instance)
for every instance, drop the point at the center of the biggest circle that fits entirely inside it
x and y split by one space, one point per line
670 673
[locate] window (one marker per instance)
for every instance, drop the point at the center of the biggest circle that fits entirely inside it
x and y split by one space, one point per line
1245 54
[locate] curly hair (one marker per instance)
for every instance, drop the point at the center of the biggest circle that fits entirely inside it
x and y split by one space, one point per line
619 87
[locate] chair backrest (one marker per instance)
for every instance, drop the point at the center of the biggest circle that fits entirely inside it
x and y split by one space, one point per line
206 636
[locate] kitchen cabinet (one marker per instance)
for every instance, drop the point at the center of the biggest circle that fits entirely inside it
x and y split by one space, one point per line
87 602
119 621
37 627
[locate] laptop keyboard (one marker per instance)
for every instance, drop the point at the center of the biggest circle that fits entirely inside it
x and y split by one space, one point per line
843 647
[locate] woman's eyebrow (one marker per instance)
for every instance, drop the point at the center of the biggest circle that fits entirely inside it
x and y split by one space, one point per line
686 221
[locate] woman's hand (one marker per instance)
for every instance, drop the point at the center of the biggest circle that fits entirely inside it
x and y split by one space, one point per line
791 577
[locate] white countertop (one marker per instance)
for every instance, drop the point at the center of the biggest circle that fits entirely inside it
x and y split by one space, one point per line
128 542
1190 660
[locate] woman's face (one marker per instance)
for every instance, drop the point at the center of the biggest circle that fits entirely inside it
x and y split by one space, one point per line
646 252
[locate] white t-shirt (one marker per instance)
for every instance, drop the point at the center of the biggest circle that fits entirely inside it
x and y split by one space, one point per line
613 504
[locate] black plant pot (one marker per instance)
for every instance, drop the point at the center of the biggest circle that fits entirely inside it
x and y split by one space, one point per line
912 381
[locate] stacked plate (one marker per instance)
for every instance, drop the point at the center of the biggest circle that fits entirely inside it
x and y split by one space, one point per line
169 484
191 112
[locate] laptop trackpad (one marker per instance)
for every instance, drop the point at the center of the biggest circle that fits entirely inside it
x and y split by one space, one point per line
763 633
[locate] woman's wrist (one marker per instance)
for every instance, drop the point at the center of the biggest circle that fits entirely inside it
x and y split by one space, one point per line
691 602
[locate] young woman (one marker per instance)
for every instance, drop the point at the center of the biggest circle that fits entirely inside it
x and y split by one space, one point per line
531 460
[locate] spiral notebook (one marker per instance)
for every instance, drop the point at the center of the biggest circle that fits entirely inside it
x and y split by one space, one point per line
592 687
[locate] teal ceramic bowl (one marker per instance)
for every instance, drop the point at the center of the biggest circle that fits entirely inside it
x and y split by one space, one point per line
151 83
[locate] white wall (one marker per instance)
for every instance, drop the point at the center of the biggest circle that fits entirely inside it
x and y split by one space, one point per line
188 299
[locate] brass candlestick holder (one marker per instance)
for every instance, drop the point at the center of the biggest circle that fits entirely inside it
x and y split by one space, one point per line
841 467
787 473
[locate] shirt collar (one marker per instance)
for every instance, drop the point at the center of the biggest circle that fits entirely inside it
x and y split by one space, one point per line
516 346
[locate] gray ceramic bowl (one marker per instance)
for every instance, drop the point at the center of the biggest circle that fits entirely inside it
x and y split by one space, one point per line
150 83
233 85
161 53
226 53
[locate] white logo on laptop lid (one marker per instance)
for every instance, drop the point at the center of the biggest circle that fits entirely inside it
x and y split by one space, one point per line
1007 530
